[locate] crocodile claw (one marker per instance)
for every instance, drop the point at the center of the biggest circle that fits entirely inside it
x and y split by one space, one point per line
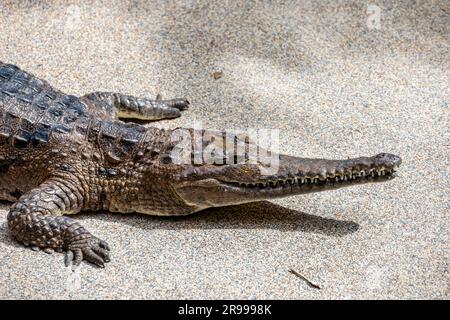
87 248
180 104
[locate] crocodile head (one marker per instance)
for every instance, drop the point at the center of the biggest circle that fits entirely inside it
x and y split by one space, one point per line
220 185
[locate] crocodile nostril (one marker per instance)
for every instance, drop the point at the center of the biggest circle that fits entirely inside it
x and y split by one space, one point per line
388 158
397 160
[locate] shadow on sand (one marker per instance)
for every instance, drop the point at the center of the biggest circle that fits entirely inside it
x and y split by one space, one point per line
256 215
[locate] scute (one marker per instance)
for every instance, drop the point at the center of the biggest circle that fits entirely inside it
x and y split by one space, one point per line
31 110
119 140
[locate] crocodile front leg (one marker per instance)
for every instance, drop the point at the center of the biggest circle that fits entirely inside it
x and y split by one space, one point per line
118 105
36 220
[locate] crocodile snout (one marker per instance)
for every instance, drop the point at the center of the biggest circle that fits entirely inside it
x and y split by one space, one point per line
390 160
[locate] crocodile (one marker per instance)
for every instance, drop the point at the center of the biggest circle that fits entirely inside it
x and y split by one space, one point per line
61 154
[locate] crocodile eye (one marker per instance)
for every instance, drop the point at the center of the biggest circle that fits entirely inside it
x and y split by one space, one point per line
166 159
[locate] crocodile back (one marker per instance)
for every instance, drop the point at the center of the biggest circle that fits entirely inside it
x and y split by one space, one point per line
31 110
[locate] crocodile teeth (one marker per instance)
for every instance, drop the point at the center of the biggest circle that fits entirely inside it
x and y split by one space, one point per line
332 173
323 175
332 177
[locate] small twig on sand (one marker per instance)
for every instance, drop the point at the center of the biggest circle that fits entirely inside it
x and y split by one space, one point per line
311 284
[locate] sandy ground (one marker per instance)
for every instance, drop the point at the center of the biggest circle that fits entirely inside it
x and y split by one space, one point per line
336 80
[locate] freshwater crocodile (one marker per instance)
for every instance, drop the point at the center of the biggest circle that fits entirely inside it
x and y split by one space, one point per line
61 154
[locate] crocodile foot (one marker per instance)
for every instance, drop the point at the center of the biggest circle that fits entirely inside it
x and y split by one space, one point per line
178 103
87 247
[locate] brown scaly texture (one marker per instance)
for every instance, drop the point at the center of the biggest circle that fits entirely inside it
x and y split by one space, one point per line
48 141
60 154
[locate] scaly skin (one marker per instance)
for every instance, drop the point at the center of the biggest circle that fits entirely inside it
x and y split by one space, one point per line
61 154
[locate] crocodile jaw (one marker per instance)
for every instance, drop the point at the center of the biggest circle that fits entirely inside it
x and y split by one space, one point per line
296 176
